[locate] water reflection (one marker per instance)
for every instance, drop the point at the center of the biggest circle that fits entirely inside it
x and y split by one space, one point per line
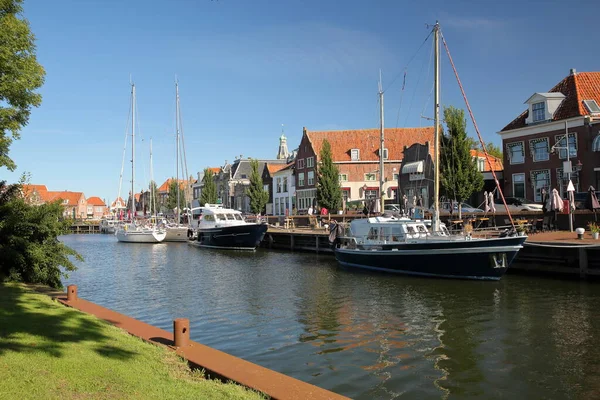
362 335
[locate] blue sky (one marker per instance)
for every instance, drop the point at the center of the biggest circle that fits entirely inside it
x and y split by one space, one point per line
246 67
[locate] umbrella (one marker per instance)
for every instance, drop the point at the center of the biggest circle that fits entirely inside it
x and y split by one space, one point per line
491 202
556 203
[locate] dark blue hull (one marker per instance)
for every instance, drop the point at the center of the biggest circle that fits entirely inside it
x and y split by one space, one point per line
237 237
477 259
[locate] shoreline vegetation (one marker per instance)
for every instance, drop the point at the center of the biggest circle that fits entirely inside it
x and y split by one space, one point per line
49 351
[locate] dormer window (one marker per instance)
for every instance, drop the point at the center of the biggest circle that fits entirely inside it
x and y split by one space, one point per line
355 154
385 154
539 112
592 106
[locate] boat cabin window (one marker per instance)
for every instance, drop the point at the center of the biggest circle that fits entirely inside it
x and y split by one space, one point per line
421 229
396 233
209 217
410 229
373 233
238 217
221 217
230 216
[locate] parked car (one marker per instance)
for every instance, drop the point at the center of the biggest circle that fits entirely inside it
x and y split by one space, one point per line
464 208
518 204
580 199
395 208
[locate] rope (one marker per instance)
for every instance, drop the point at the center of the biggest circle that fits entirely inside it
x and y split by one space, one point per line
411 59
125 146
462 90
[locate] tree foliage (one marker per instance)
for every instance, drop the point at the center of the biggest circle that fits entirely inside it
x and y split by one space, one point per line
458 169
256 191
30 251
171 202
153 197
329 192
20 76
209 189
494 150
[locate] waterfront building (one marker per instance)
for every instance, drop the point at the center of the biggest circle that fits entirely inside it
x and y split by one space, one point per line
96 208
571 108
283 190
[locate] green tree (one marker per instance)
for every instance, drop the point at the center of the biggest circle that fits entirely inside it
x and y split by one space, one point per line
30 251
20 76
256 192
171 202
153 197
329 192
494 150
209 188
458 169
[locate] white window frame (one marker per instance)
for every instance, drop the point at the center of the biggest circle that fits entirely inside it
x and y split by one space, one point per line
343 177
311 178
532 148
509 152
301 163
310 162
537 196
301 179
523 182
284 183
369 174
385 153
355 154
538 114
562 153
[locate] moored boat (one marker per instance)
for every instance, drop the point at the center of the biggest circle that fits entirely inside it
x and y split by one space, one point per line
225 228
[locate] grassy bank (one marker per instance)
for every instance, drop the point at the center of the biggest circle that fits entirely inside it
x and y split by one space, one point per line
48 351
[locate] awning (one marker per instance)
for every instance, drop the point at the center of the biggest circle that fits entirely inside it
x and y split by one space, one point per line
372 188
413 167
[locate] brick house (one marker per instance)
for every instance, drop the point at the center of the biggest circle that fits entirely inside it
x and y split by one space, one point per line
356 155
271 185
96 208
74 203
530 165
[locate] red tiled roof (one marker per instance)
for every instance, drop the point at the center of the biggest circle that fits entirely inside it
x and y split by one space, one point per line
42 190
367 141
275 167
118 199
495 161
95 201
576 88
215 170
72 198
165 186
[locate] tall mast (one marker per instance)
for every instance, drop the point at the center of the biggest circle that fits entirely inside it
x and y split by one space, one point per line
436 130
177 145
381 144
132 151
151 179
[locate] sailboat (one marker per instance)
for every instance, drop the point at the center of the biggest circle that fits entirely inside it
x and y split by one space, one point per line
176 231
133 231
405 246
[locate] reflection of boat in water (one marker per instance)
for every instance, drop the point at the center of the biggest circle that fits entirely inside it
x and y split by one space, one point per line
225 228
403 246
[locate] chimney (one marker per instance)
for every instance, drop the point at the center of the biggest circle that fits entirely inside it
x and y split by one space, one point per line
573 71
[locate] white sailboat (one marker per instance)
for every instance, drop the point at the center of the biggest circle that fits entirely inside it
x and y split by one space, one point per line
134 231
176 231
405 246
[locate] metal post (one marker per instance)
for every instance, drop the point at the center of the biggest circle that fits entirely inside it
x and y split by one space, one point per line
181 332
71 293
381 145
568 174
436 128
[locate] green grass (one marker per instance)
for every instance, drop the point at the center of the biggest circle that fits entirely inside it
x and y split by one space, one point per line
48 351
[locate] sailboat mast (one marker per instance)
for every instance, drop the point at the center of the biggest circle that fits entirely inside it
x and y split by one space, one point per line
132 151
436 130
381 144
151 179
177 145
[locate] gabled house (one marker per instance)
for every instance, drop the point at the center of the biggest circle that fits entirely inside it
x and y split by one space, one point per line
163 192
356 155
74 204
36 194
557 133
96 208
117 205
275 186
284 190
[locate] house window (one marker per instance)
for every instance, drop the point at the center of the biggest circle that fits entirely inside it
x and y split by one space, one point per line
396 177
541 181
596 143
385 154
310 162
301 163
562 181
370 177
285 189
345 195
301 179
278 184
371 194
243 176
539 149
355 154
592 106
343 177
516 152
266 188
480 164
539 112
311 178
519 185
561 144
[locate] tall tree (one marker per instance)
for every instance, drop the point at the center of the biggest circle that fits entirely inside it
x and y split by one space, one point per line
256 191
458 169
20 76
30 251
329 192
171 202
209 189
153 197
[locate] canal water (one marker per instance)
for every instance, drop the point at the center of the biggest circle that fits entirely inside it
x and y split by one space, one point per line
366 336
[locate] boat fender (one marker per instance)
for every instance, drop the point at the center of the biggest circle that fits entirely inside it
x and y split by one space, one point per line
126 227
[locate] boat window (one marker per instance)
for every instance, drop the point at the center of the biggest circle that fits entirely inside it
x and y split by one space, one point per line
238 217
421 229
373 233
396 233
230 216
209 217
221 217
411 229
